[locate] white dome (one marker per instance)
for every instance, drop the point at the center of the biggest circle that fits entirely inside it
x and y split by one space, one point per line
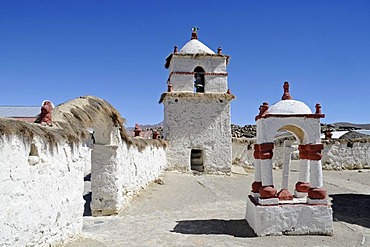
195 46
289 107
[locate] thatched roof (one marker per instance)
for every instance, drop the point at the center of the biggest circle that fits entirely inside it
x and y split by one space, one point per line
70 122
9 127
79 114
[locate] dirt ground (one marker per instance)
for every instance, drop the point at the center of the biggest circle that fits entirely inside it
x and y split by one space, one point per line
209 210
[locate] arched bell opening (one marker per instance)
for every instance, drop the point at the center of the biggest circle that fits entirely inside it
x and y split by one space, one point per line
199 82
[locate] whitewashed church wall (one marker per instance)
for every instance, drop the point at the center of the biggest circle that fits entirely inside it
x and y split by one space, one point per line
198 123
41 195
185 83
216 84
118 172
188 64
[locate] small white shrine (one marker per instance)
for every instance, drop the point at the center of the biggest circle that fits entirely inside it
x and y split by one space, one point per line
197 109
306 211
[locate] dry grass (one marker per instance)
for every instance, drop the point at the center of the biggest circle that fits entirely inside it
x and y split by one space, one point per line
77 115
28 131
141 143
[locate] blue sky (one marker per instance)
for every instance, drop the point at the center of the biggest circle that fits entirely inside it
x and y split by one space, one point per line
60 50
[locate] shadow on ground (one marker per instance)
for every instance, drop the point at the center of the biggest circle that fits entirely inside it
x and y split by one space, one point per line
351 208
236 228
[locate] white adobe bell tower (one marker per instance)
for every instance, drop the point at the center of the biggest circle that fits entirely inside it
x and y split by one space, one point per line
197 109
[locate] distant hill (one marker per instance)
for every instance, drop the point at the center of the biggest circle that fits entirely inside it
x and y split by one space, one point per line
147 126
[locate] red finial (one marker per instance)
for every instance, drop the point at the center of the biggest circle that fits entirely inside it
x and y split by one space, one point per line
175 50
137 130
263 109
194 34
228 91
328 135
318 108
155 134
169 88
45 116
286 94
219 50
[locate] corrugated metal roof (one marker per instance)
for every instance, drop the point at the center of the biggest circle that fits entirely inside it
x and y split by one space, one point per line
19 111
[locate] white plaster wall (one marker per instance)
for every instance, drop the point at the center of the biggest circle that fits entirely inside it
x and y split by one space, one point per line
340 155
268 127
198 123
242 154
119 171
185 83
189 63
337 155
41 201
213 84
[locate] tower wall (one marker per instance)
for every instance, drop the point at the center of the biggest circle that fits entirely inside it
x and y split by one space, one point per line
182 79
196 121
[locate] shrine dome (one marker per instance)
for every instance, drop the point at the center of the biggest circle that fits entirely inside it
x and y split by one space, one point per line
194 46
289 106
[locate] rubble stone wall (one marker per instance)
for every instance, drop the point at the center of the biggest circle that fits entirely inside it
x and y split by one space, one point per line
346 154
337 154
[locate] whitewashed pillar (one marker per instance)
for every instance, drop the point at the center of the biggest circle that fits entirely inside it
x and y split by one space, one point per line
256 185
284 193
303 184
263 153
316 191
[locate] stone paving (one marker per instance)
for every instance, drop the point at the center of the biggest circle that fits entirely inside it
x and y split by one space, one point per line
209 210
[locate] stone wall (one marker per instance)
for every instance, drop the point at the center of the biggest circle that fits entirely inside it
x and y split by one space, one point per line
346 154
243 148
41 190
118 171
42 171
337 154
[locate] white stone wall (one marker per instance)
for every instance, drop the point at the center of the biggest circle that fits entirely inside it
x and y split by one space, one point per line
40 195
338 155
119 171
242 153
198 123
185 83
